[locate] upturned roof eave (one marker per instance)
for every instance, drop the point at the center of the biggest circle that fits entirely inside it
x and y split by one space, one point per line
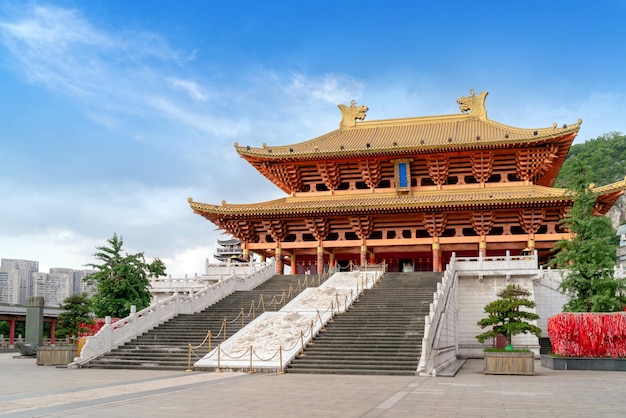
315 148
512 196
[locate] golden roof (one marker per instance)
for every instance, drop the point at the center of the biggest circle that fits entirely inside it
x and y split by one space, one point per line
415 135
387 201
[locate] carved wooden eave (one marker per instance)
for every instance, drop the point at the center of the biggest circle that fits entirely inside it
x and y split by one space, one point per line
482 221
435 223
318 227
531 219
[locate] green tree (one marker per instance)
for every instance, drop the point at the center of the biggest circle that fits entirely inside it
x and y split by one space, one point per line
76 312
505 316
605 157
590 255
121 280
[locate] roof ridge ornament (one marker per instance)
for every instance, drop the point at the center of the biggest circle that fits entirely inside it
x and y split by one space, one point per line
474 104
349 115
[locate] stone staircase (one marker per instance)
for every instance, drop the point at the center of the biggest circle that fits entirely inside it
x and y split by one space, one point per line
381 334
166 347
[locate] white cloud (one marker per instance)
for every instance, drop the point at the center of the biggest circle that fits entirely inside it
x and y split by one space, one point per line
329 88
190 87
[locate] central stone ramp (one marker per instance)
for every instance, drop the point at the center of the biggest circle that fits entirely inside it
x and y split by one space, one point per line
166 347
381 334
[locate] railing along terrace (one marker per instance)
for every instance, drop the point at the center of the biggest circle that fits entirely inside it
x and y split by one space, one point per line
112 335
506 262
213 273
440 343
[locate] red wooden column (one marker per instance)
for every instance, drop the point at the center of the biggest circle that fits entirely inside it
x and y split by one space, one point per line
53 328
363 255
279 260
320 259
11 332
294 264
437 267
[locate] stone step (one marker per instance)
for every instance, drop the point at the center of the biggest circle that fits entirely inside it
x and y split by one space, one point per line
175 335
379 334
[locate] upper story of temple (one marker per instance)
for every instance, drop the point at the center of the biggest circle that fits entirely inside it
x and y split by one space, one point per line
465 150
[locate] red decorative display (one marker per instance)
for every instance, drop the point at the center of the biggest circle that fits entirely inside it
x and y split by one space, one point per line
92 329
588 334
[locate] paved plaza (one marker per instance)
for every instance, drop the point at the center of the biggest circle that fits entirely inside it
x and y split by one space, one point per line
28 390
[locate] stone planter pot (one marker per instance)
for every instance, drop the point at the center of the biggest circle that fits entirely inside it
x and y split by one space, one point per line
509 362
57 355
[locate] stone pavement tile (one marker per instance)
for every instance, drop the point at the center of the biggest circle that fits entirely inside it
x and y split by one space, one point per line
107 393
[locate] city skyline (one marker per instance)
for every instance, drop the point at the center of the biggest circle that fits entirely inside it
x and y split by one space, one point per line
115 112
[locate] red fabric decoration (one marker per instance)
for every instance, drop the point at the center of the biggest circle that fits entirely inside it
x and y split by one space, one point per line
588 334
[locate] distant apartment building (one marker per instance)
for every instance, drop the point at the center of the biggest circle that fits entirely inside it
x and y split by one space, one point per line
4 287
21 279
79 283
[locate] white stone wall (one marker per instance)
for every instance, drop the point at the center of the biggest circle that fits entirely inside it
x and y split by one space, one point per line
473 295
549 302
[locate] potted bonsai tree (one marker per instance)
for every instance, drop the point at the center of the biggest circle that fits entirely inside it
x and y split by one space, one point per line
505 317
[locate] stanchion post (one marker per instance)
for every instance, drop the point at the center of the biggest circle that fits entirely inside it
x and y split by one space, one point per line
302 344
312 342
280 365
251 371
219 352
189 360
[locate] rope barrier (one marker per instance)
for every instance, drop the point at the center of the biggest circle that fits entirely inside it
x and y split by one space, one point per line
319 317
334 308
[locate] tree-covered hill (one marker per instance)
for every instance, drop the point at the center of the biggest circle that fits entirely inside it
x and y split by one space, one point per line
605 157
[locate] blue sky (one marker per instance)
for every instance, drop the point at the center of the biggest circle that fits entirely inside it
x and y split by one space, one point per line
114 112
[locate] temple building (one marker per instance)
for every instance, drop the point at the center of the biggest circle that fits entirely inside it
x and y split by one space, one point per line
408 192
229 250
